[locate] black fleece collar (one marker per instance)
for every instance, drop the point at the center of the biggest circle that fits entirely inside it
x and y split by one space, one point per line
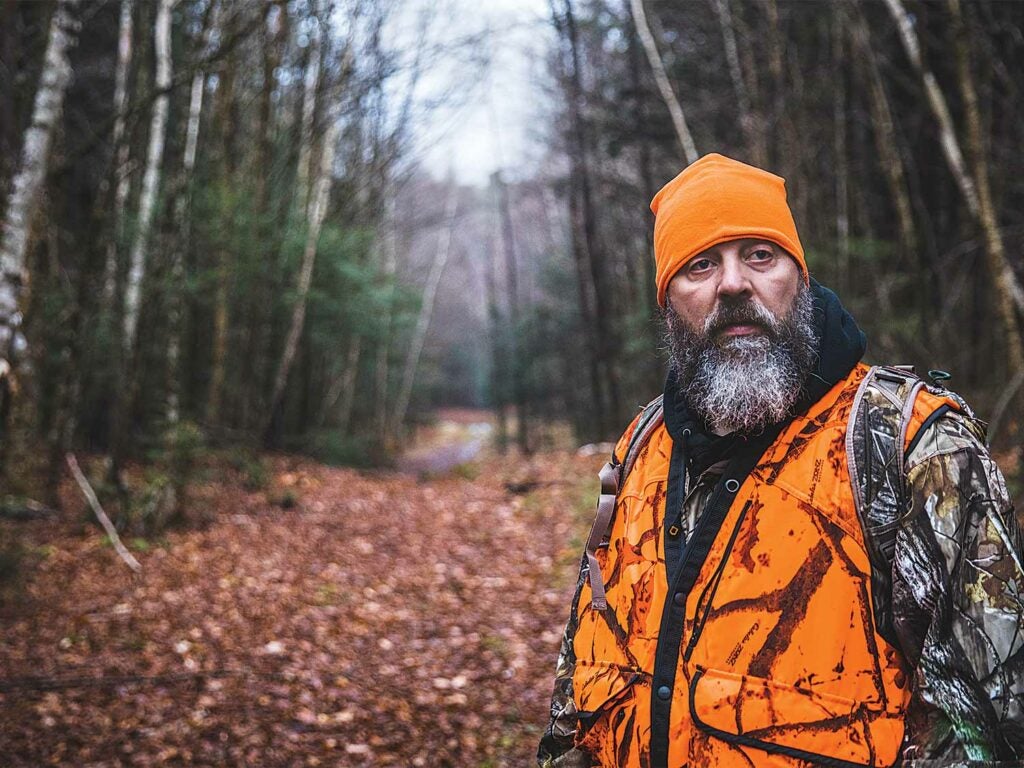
841 346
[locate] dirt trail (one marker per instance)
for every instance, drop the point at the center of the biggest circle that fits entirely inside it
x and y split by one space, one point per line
457 437
386 620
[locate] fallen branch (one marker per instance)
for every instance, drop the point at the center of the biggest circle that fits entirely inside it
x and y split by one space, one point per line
108 526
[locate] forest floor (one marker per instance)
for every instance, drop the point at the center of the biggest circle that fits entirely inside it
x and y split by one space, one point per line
387 618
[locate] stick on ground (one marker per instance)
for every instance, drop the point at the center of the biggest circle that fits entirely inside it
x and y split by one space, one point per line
108 526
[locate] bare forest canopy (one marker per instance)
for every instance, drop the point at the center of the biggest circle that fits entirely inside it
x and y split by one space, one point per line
218 230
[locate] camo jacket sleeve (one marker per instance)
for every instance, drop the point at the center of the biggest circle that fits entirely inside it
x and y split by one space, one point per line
957 603
556 745
557 748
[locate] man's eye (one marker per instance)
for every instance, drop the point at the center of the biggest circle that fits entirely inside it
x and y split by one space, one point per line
700 265
761 254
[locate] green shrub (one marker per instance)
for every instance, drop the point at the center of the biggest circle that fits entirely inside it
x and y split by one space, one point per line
331 447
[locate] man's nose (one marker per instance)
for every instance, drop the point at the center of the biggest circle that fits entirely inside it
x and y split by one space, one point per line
734 278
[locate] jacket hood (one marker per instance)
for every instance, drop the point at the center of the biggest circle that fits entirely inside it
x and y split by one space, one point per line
841 345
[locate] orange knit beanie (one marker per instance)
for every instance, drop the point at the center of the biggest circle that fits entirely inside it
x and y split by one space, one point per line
715 200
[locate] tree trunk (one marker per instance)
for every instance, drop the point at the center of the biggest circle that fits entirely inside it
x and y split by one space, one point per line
516 362
121 175
315 218
312 85
841 156
126 382
1008 291
752 132
381 370
587 252
224 118
784 104
183 224
419 335
340 385
151 179
675 109
257 364
885 139
27 185
23 201
498 358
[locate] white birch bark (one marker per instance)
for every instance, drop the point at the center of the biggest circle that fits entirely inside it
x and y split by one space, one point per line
885 139
675 109
122 176
23 201
311 87
412 359
937 103
195 102
108 526
1003 275
181 214
1008 289
151 179
315 218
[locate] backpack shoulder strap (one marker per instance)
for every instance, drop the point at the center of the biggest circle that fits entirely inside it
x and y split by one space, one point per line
877 430
652 416
613 475
885 409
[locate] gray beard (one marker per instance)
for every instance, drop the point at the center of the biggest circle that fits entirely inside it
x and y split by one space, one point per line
744 383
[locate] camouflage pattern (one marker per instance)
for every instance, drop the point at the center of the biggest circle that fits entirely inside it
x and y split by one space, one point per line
957 602
951 602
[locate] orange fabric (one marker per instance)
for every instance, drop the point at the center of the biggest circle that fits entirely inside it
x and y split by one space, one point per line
715 200
924 406
787 654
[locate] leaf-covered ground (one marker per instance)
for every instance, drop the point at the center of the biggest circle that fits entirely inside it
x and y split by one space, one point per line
385 620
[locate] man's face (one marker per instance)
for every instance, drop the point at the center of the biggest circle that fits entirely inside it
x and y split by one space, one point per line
732 274
741 334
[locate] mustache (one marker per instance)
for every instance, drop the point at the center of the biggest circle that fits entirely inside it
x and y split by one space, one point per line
740 312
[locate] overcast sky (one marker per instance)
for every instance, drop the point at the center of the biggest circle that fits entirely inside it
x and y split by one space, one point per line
493 109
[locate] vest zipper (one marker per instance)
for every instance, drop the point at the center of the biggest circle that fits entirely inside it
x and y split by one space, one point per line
712 585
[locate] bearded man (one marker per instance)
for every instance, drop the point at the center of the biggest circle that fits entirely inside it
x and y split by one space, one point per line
797 559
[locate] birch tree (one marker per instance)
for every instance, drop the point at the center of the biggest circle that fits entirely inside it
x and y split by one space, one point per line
151 179
675 109
312 85
594 283
121 175
412 358
23 201
1010 296
885 136
183 214
315 217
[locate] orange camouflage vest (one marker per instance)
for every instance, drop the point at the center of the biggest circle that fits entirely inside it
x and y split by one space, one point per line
766 653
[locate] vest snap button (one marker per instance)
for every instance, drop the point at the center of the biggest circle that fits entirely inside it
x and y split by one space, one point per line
664 693
679 598
732 485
